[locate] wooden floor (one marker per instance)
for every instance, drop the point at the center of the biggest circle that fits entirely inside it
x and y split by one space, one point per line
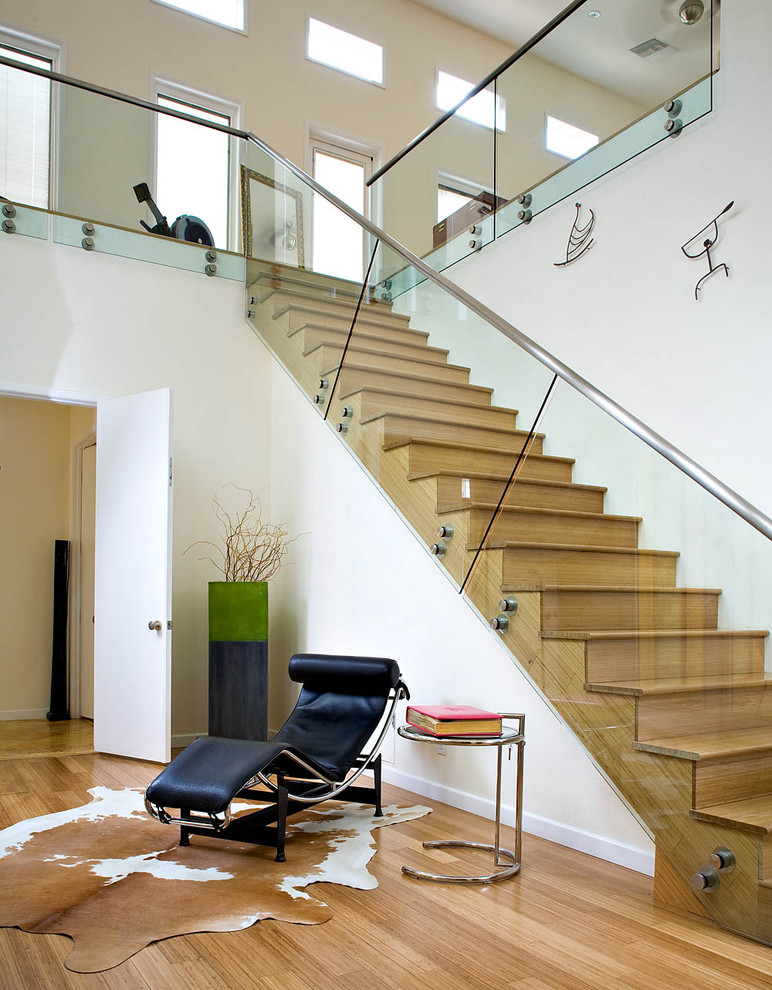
568 922
39 737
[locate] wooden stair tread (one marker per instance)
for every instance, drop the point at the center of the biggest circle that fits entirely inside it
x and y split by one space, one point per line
711 746
390 443
377 390
409 378
356 348
491 476
680 685
467 504
612 588
520 545
363 337
750 814
618 634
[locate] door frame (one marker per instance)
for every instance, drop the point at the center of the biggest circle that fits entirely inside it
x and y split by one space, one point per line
318 134
76 505
65 398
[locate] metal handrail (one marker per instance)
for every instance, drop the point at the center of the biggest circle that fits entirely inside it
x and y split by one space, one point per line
734 501
491 77
120 97
739 505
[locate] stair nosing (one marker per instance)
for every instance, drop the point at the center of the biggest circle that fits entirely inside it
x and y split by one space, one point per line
524 545
492 476
402 441
377 390
538 511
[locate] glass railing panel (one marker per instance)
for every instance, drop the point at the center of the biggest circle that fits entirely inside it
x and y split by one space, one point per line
593 102
107 239
441 196
431 431
654 611
24 220
302 297
106 148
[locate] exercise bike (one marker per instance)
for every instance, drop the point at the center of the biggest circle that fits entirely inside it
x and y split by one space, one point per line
184 228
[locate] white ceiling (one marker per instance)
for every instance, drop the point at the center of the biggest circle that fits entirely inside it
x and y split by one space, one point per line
599 48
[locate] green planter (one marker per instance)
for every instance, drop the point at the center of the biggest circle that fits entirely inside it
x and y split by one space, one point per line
238 659
238 611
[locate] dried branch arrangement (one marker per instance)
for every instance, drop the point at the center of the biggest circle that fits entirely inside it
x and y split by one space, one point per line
252 550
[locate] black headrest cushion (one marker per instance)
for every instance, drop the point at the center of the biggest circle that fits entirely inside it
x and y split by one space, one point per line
344 675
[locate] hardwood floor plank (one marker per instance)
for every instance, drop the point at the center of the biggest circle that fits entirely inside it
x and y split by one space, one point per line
568 921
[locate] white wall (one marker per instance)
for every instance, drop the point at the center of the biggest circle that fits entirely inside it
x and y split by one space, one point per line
624 316
101 326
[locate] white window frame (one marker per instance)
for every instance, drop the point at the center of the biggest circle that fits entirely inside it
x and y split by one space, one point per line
217 104
55 52
208 20
335 68
498 101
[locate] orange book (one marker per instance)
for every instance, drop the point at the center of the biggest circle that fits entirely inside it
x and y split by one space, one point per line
453 720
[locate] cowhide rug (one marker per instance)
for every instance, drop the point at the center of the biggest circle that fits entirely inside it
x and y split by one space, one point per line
114 879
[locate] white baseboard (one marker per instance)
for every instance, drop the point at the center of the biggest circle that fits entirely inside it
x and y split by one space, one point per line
600 846
23 714
185 739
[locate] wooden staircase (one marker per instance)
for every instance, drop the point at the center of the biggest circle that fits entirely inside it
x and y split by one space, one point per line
674 710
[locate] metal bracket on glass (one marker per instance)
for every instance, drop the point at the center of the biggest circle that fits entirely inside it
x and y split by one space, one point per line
673 125
88 243
211 268
9 212
476 243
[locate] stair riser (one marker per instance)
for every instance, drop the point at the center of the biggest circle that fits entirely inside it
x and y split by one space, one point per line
444 411
344 308
352 379
398 428
328 359
314 335
449 491
722 781
525 527
709 710
598 610
633 659
299 315
545 566
427 459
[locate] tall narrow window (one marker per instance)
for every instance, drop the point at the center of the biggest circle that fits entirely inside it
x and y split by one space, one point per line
25 129
228 13
193 166
343 51
338 241
566 140
481 109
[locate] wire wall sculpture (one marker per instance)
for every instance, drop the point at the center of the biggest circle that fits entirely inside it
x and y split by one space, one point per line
710 241
579 240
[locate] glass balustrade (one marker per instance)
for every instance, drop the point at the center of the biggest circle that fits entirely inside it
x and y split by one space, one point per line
603 85
103 165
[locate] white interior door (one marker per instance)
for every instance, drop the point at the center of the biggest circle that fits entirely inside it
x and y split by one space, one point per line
132 600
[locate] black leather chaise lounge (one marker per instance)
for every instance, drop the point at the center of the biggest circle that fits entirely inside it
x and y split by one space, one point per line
315 756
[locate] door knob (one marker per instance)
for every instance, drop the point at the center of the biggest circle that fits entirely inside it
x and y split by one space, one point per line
156 625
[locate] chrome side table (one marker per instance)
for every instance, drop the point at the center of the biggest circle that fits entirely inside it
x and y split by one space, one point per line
506 863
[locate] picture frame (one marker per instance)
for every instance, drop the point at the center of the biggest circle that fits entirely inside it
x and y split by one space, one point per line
271 219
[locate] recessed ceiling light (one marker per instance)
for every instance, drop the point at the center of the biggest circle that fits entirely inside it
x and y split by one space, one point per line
594 13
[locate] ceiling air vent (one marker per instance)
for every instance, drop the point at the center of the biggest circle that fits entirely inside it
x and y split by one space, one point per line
653 49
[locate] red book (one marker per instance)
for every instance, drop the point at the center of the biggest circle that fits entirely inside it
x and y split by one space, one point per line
454 720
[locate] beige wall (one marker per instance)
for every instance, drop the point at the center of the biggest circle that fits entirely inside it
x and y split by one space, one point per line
34 511
122 46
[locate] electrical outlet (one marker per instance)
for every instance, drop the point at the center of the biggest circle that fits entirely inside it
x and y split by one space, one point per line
442 750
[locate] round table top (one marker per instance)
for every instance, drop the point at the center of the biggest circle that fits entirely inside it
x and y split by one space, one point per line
507 736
